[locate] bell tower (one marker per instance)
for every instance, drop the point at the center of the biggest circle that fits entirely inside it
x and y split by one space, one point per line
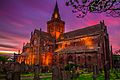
55 26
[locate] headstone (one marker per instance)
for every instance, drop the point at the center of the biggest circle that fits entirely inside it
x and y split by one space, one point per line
94 72
16 71
68 75
36 72
9 75
55 73
23 67
1 66
9 72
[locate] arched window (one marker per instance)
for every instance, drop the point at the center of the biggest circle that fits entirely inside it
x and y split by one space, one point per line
61 60
89 58
78 58
70 58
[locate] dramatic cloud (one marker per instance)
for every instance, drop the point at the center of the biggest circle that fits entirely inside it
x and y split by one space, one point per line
19 17
7 46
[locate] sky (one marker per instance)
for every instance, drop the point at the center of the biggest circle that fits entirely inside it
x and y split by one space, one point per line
18 18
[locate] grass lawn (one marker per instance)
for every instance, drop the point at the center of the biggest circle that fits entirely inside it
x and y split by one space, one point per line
40 79
29 76
85 76
89 76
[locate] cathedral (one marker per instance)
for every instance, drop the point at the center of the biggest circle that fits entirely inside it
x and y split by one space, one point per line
85 47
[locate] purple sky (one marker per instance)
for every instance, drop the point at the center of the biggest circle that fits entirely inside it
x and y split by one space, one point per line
19 17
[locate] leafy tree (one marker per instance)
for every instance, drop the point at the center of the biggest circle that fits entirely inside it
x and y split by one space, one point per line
2 58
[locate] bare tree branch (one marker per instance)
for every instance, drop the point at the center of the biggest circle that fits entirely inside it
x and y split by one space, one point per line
82 7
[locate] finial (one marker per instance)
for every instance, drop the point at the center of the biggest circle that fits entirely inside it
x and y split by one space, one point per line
40 29
56 14
31 33
103 21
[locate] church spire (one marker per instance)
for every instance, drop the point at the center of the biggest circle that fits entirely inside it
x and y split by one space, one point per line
55 26
56 14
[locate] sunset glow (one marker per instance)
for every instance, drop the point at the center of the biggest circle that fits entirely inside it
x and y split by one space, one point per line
88 42
11 52
18 18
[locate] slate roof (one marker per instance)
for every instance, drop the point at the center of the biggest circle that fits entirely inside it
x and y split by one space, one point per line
44 34
27 45
83 31
74 49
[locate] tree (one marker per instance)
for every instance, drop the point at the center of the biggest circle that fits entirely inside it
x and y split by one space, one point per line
82 7
117 52
2 58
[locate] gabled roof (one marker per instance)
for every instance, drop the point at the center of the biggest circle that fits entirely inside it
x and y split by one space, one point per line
75 49
84 31
43 34
27 45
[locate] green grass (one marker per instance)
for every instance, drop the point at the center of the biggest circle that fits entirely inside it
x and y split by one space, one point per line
47 76
27 74
82 76
85 77
32 74
40 79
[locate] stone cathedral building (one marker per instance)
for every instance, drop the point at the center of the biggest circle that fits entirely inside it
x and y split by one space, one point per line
85 47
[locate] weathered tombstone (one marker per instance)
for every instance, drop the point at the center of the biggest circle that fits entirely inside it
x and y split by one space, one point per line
68 73
55 73
107 71
0 66
94 72
61 71
36 72
63 75
16 71
77 73
9 75
23 67
9 72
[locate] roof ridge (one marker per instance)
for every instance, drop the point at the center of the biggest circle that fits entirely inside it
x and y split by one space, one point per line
82 28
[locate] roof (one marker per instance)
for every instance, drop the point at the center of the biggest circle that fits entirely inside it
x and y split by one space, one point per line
74 49
27 45
83 31
44 34
24 54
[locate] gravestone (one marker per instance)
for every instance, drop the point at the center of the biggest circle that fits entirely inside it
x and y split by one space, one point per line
16 71
36 72
23 67
68 73
9 75
55 73
94 72
9 72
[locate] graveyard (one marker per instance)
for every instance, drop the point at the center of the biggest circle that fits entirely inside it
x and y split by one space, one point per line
44 40
20 73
